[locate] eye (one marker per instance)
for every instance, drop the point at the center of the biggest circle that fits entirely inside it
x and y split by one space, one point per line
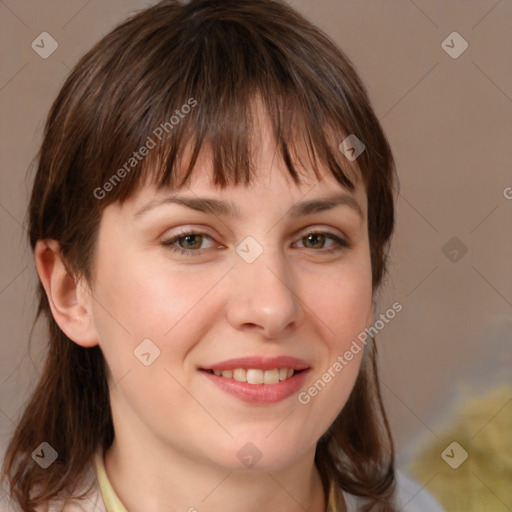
190 243
317 239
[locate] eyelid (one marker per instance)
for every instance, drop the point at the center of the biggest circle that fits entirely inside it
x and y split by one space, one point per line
184 231
341 241
203 230
318 228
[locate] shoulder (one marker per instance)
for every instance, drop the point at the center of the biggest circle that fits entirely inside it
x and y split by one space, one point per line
90 502
410 497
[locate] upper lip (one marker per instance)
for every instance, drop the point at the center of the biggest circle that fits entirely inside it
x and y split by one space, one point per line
262 363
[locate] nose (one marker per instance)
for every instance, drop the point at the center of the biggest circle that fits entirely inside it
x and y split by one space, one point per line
264 296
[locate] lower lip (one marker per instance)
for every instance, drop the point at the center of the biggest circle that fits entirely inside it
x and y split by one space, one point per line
259 393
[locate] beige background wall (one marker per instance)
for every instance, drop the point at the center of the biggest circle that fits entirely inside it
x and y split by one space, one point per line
449 124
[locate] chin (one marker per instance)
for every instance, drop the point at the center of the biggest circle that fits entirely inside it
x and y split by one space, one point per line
261 452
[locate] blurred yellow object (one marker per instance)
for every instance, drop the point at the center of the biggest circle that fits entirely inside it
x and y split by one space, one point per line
469 467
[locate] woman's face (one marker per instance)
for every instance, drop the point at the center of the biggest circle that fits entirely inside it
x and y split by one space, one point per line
256 283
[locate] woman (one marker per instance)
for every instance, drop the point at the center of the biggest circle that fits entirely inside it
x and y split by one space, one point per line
210 220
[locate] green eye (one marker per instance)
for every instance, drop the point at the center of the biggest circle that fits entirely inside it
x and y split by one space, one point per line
189 243
317 238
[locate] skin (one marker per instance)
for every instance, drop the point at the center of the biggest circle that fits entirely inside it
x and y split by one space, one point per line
176 434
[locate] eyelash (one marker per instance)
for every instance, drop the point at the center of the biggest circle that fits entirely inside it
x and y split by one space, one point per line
341 244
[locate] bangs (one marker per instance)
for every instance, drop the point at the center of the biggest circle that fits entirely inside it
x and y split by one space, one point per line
189 86
230 135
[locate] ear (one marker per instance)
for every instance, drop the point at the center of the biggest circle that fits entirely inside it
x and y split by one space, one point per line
70 301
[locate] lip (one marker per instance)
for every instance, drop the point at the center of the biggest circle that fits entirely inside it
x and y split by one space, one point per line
261 363
258 393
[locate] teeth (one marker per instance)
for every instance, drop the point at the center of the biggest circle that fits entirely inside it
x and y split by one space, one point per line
256 376
240 375
271 376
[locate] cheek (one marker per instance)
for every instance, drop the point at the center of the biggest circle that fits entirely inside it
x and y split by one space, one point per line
341 301
136 301
339 308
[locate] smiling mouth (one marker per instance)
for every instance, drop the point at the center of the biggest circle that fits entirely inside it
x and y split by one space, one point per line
256 375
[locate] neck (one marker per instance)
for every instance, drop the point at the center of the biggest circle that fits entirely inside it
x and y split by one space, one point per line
147 478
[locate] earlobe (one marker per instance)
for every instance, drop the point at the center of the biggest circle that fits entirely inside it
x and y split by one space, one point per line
70 306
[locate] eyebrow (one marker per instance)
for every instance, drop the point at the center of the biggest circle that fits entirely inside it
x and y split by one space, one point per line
228 209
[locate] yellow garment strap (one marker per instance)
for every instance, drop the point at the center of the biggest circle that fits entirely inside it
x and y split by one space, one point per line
112 502
336 500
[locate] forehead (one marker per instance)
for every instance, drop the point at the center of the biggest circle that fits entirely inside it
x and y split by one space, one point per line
270 175
272 193
271 182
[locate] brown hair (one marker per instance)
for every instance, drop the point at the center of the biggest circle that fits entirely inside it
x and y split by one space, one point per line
215 57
